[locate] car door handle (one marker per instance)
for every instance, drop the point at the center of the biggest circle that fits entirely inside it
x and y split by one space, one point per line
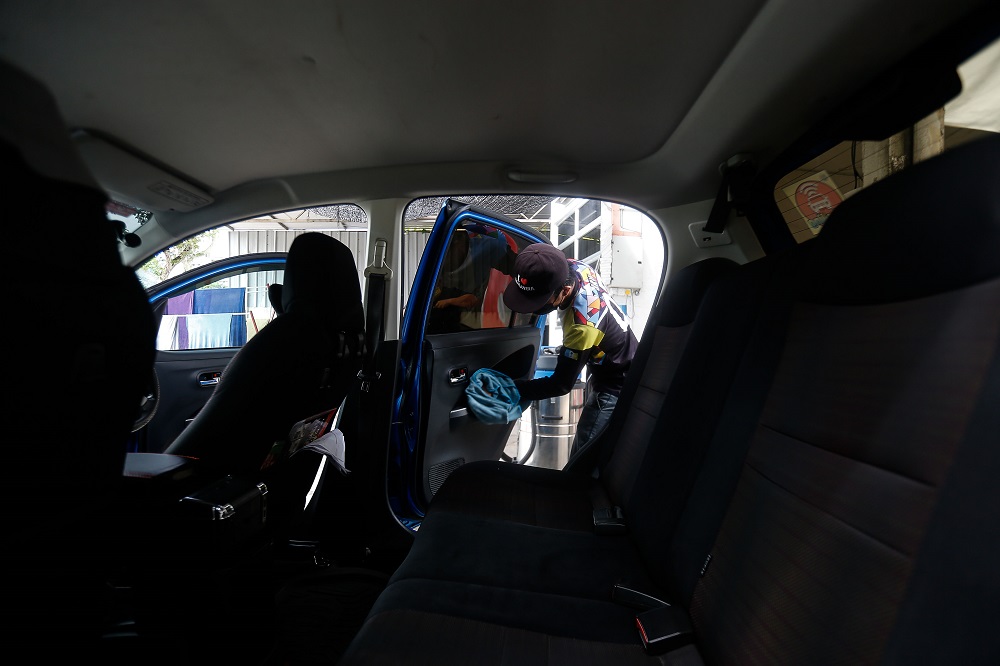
209 378
459 413
458 376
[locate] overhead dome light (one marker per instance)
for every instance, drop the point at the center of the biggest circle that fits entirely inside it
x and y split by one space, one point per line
543 177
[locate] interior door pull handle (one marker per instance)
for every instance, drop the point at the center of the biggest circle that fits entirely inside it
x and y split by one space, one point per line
458 375
459 413
209 378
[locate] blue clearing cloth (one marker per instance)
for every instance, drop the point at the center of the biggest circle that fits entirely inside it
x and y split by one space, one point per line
493 398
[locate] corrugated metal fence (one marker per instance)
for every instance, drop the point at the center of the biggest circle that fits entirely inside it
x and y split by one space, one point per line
248 242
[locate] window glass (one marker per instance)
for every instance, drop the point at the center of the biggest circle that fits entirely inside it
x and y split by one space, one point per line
275 232
621 243
474 273
807 195
197 319
224 313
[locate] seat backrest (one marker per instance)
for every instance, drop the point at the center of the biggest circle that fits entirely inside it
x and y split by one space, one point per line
88 377
676 441
660 364
84 356
849 514
301 364
618 451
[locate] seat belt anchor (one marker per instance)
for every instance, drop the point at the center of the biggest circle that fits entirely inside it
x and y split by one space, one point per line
379 265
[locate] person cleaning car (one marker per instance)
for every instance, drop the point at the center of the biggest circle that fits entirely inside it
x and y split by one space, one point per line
596 333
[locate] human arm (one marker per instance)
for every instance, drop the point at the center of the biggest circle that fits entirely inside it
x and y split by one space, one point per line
580 342
505 264
463 301
561 381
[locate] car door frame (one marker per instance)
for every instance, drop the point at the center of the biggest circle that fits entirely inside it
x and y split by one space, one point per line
419 388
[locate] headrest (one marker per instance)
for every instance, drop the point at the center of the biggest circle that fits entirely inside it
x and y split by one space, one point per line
35 128
274 296
931 228
40 162
321 276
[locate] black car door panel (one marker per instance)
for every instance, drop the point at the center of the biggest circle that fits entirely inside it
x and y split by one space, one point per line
186 381
453 435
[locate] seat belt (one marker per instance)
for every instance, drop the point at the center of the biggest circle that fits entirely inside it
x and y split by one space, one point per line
377 274
608 518
662 626
737 173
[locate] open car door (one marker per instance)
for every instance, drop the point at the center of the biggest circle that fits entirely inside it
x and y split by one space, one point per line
455 324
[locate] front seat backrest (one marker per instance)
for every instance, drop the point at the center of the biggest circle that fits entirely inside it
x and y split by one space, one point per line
302 363
80 348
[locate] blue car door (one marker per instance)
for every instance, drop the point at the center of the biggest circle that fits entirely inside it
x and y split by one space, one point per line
456 323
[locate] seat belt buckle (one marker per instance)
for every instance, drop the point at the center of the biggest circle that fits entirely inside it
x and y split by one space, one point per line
664 629
609 520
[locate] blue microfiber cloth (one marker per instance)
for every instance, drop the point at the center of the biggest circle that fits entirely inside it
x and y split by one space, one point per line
493 398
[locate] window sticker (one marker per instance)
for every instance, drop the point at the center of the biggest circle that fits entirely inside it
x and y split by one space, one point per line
815 198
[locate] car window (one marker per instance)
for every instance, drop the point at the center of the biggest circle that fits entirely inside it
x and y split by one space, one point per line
474 272
808 194
620 242
224 313
275 232
232 309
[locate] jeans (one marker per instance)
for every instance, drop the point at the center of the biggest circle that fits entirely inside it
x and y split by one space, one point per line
594 418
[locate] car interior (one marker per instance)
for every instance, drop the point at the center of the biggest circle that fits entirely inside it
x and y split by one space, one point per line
801 467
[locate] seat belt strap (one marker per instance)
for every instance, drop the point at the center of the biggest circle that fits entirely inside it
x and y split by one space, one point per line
608 518
734 190
377 274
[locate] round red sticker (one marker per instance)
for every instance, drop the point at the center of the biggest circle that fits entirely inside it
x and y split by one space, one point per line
816 199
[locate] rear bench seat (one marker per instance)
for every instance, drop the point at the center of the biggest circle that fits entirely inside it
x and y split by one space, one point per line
501 507
844 509
603 474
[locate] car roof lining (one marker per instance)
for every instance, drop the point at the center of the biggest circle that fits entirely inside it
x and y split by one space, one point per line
264 91
269 111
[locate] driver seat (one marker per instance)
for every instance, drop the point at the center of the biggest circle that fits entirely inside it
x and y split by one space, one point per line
79 385
301 364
